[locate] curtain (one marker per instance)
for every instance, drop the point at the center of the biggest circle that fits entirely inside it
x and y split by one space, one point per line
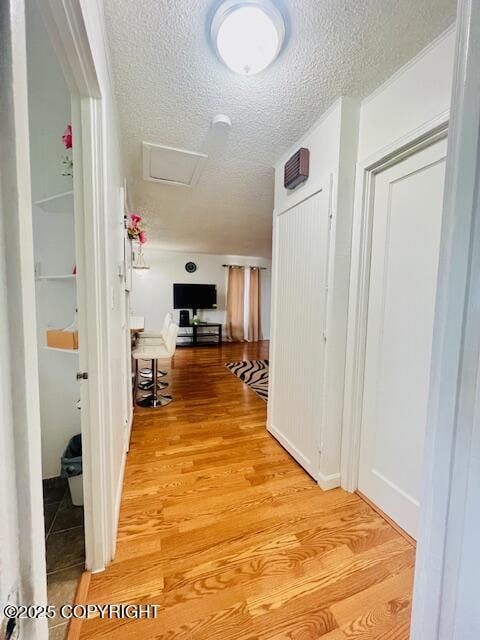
235 303
254 328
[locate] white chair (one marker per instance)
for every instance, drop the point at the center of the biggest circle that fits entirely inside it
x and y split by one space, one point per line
145 338
157 335
153 352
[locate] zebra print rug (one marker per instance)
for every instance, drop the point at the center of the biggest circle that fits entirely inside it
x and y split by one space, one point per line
254 373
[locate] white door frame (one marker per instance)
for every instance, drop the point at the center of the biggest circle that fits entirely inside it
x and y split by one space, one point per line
454 402
407 146
66 26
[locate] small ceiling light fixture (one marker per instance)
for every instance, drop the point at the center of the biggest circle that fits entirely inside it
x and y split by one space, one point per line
221 120
247 35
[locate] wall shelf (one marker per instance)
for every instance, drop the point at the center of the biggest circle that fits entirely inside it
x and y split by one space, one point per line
61 350
59 203
71 276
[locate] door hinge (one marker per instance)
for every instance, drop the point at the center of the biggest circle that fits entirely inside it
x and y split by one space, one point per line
82 375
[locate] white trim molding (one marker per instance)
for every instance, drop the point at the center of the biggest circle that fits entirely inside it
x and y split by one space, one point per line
67 30
328 482
89 215
445 604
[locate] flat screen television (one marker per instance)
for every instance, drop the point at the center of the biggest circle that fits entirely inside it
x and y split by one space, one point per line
194 296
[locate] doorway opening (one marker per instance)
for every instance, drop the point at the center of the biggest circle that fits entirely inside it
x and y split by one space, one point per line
58 340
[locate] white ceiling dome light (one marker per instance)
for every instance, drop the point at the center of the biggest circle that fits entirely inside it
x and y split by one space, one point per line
247 35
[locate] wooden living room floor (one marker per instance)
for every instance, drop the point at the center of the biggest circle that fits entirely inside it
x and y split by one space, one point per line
232 538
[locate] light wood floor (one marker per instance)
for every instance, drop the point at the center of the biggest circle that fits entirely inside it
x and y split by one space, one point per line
232 538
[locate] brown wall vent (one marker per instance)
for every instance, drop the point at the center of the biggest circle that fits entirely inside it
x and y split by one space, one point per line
296 169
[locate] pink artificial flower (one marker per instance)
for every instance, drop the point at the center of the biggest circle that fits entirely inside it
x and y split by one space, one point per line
142 237
135 219
67 137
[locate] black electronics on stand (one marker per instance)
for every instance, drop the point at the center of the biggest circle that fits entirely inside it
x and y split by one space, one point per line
184 318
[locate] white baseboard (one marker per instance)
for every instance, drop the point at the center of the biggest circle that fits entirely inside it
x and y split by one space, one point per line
329 482
292 450
118 501
129 430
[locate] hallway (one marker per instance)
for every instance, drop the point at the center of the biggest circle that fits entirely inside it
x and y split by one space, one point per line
232 538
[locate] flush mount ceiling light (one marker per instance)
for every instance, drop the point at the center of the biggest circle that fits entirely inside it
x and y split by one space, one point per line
248 35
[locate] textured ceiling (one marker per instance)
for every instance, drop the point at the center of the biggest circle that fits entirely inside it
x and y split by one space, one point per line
169 85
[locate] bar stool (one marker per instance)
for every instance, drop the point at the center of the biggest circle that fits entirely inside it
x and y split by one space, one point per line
147 384
154 352
151 340
145 372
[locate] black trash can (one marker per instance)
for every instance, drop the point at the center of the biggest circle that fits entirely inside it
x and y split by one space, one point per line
71 463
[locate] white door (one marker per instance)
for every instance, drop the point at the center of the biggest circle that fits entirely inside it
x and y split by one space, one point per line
407 211
299 313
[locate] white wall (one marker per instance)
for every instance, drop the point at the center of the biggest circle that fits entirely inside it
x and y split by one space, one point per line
417 94
54 241
22 557
333 144
9 560
467 614
323 141
152 295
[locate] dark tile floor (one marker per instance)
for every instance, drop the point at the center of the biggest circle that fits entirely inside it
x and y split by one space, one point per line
65 541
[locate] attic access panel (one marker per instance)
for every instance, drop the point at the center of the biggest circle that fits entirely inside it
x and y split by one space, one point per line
172 166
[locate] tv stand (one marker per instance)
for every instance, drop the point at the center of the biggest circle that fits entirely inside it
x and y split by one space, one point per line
204 334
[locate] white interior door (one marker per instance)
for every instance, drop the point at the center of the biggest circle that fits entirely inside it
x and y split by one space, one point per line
407 213
299 314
